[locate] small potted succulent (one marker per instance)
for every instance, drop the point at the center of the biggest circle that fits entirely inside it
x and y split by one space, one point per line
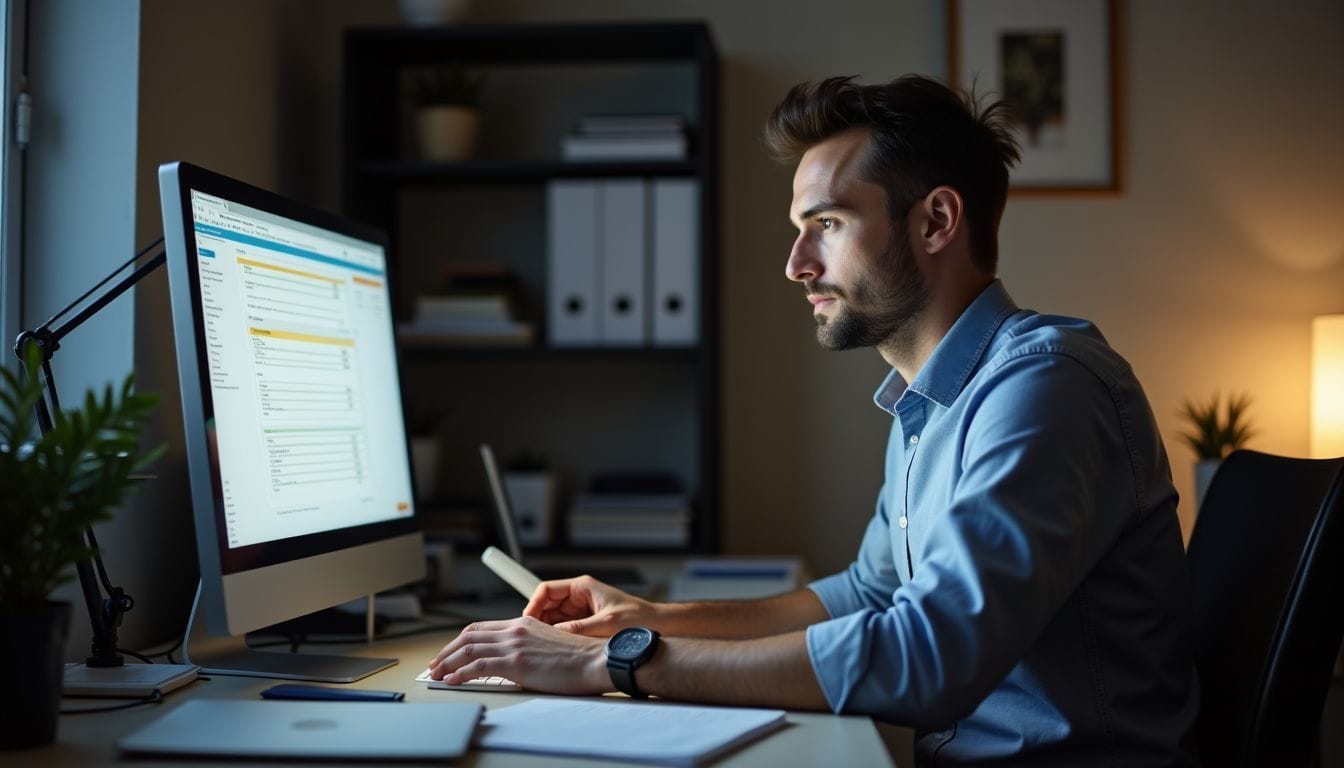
448 109
55 486
1215 429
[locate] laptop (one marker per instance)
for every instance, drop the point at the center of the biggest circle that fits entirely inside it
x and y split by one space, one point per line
626 578
310 730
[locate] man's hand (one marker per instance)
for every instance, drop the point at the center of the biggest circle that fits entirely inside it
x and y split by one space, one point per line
537 656
586 606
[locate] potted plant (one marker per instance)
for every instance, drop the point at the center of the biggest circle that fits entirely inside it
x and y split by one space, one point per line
1215 430
55 486
447 117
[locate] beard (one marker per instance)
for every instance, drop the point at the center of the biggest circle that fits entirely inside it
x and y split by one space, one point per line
880 307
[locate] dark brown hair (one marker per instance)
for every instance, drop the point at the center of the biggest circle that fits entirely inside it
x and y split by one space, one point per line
923 135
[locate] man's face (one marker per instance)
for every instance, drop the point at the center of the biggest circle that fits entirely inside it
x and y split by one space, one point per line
856 265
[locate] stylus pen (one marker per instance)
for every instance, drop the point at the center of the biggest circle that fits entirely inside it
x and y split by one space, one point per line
324 693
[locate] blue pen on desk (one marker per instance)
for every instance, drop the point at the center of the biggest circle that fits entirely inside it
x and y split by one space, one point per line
325 693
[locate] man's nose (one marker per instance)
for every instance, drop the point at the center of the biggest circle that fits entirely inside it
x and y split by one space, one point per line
803 264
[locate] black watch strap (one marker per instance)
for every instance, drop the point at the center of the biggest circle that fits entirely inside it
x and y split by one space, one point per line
623 677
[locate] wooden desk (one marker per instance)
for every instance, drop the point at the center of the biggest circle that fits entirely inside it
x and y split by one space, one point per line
810 739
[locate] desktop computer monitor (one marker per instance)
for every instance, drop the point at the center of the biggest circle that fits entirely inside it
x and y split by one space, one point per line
291 400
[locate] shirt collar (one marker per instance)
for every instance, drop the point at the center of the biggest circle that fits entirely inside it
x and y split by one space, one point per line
957 354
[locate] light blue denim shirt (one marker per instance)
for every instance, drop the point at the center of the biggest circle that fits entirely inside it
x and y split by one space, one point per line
1021 592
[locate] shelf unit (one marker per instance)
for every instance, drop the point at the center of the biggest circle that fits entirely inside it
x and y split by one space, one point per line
589 410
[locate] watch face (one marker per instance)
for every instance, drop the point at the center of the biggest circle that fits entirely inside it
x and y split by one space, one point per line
629 643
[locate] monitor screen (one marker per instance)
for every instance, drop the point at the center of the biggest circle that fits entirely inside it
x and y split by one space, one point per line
296 444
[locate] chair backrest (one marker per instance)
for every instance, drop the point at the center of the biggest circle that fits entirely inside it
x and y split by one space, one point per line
1266 566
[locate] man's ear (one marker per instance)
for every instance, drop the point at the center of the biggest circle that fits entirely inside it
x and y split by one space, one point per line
941 218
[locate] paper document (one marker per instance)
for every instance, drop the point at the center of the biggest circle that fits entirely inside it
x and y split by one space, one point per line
665 734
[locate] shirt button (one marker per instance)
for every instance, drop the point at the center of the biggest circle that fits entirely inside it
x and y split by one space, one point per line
902 521
914 439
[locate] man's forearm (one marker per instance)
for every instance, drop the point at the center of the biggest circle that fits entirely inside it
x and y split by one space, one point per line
768 672
741 619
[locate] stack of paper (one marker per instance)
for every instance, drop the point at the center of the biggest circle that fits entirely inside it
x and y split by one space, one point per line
652 732
630 520
626 137
476 306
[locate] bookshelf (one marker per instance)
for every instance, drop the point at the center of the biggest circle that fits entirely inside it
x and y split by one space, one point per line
587 409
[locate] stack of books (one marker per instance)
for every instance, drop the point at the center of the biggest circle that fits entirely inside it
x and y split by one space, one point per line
630 520
474 308
599 138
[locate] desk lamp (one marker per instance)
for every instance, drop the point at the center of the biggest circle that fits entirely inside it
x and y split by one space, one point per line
105 612
1327 386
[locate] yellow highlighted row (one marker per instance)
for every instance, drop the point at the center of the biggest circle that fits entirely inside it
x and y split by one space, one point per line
287 270
367 281
309 337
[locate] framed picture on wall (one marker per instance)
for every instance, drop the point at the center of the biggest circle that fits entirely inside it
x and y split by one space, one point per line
1054 61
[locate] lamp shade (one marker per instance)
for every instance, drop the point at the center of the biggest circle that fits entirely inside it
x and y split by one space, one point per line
1327 386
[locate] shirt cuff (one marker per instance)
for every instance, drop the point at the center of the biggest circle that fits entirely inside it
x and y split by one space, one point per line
839 593
838 650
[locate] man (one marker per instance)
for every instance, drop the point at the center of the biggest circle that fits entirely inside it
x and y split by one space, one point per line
1020 593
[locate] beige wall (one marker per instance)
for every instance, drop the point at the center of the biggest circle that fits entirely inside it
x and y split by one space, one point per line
1204 271
208 95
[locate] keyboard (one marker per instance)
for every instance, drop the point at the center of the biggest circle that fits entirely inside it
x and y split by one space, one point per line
489 684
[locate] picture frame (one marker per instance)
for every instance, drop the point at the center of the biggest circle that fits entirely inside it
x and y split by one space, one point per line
1056 62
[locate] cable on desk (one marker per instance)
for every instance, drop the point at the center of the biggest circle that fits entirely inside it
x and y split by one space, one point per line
150 653
141 657
153 698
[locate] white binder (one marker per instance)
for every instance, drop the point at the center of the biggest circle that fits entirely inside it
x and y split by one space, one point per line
572 262
623 320
676 260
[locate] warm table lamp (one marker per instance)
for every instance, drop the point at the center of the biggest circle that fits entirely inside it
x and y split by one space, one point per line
1327 386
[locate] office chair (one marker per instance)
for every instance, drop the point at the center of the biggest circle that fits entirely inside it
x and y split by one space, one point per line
1267 576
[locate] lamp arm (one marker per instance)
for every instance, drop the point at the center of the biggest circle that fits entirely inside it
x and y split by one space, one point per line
104 612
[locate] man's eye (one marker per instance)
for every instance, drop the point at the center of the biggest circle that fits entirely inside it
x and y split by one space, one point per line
826 223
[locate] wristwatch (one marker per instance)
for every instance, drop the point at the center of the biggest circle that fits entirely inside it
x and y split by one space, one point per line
626 651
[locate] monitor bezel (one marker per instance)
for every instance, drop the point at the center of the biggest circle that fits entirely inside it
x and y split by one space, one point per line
182 260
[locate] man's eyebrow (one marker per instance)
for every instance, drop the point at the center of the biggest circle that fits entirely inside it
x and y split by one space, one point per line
822 207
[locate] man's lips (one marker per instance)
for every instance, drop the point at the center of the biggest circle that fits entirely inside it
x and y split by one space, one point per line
818 300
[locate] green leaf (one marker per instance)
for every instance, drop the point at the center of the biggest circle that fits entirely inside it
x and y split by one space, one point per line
1217 429
58 484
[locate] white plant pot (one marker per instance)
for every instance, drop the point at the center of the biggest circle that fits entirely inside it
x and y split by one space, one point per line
532 497
425 465
1204 472
447 133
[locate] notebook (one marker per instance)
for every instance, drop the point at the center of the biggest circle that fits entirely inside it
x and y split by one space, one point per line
645 732
344 730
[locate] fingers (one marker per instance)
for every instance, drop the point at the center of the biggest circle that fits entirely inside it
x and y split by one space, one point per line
562 599
478 660
593 626
535 655
477 633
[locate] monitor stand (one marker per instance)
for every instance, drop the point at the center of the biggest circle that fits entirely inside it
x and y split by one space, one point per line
232 656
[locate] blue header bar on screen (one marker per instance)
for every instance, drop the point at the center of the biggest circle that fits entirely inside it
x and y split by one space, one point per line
238 237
